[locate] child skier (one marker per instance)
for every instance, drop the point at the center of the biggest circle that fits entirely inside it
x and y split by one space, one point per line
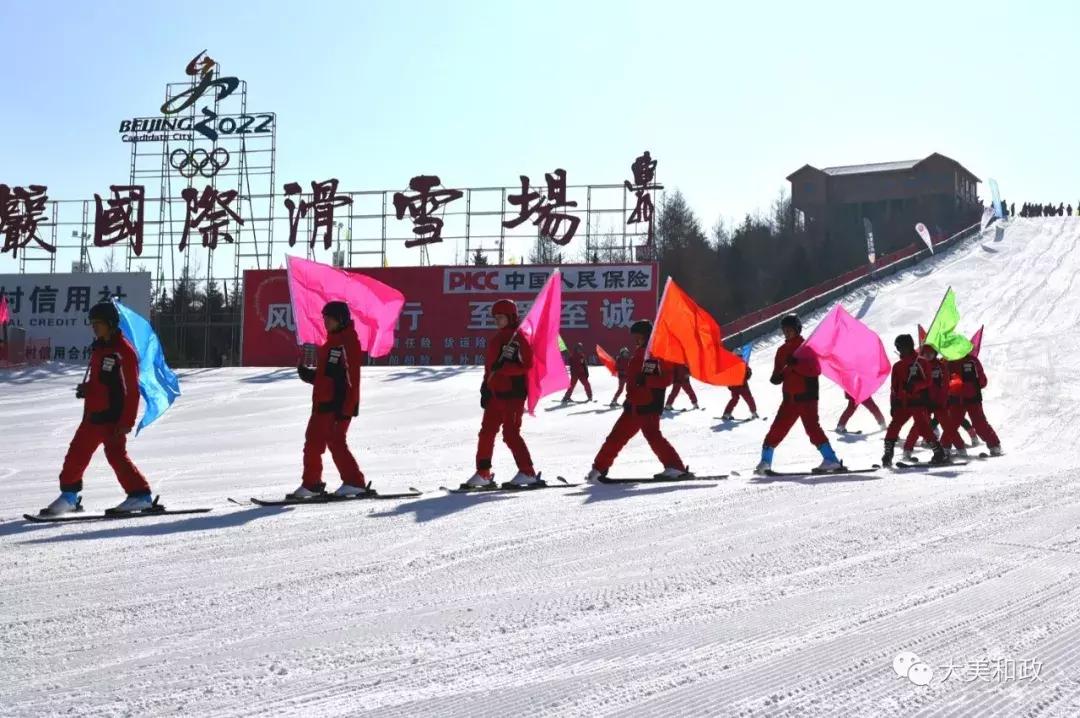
799 379
681 382
111 402
869 404
335 400
646 380
909 398
740 392
966 383
502 396
937 400
621 363
579 372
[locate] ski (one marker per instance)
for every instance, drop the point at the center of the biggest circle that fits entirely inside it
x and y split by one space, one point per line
814 472
654 480
508 487
927 466
412 493
77 516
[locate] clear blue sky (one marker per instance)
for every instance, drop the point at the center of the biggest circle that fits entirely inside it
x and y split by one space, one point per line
729 98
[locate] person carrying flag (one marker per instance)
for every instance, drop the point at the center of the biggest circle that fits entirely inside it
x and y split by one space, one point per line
110 395
647 378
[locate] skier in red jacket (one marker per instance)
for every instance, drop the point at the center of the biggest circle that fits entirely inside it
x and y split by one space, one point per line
966 382
910 399
579 372
111 402
869 404
622 362
799 378
502 395
740 392
646 380
681 382
937 399
335 401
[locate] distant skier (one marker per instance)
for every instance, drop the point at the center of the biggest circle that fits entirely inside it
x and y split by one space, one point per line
1068 210
502 395
110 394
647 378
622 362
870 405
740 392
799 378
681 382
966 382
335 401
909 398
579 372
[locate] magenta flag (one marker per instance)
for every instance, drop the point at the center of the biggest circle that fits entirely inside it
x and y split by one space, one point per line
849 352
976 342
541 328
374 306
5 315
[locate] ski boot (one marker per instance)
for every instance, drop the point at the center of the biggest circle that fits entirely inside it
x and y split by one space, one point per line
940 458
696 407
65 503
887 457
754 415
346 491
995 450
304 493
727 417
909 455
594 476
673 473
133 503
828 466
480 480
523 480
841 429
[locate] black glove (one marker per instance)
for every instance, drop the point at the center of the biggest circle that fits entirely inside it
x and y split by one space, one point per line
650 367
792 360
485 396
509 352
80 391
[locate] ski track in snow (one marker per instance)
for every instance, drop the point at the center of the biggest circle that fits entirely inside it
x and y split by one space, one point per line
730 598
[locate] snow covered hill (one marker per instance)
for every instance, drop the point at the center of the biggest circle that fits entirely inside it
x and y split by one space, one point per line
741 597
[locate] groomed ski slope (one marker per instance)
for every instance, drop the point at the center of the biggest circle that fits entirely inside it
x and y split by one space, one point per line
784 598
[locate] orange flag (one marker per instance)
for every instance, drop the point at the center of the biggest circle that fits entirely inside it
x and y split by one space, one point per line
607 360
684 333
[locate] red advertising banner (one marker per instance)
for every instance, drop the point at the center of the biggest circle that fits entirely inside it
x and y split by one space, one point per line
447 316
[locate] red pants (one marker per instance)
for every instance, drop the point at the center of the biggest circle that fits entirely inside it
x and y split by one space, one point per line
945 421
88 437
625 428
919 414
740 392
327 431
978 423
852 406
574 382
504 413
622 385
790 412
684 386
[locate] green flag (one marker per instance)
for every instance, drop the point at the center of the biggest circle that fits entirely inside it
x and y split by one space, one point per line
942 334
562 344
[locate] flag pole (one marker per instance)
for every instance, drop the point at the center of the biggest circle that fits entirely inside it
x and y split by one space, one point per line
659 309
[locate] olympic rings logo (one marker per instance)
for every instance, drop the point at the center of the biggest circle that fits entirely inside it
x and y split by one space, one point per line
199 161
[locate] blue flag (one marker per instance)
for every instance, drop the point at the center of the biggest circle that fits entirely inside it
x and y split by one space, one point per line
157 382
745 352
996 195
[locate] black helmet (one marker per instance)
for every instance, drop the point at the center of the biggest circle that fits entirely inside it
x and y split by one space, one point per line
791 320
904 343
338 311
642 327
106 312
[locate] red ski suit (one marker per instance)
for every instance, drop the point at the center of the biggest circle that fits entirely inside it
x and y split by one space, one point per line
849 411
621 363
502 396
579 372
800 385
909 396
966 382
741 392
936 395
681 381
111 394
335 400
646 381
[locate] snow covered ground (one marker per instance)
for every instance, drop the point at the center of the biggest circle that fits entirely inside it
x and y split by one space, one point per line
740 597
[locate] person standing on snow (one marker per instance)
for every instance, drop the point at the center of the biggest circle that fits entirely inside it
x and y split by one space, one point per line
909 399
335 401
742 391
502 396
869 404
110 397
647 378
936 398
966 382
799 379
579 372
681 382
622 362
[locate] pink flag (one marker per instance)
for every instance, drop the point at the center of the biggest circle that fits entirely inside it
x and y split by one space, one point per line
925 234
976 342
850 354
375 307
5 315
541 327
